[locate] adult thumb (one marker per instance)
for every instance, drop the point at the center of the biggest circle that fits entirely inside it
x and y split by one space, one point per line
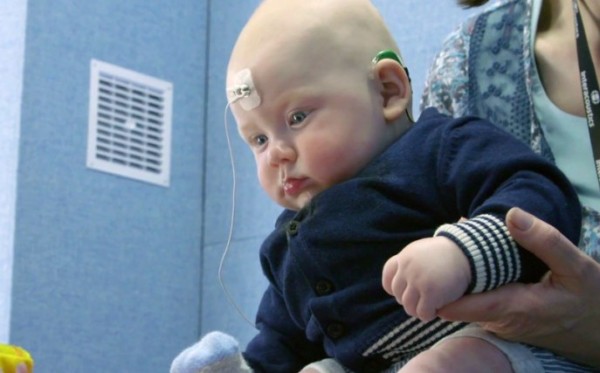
543 241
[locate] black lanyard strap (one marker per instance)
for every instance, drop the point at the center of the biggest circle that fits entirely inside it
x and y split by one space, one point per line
589 87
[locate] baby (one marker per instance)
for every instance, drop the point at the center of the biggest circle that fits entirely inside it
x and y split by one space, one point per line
321 97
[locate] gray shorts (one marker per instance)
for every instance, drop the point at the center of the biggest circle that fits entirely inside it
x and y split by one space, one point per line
523 358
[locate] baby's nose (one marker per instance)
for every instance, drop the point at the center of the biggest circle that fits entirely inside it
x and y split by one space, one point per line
280 152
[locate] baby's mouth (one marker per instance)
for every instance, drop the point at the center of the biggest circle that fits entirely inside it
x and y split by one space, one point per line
293 186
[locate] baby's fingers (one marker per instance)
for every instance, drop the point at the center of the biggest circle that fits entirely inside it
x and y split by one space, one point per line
390 270
410 301
426 310
416 305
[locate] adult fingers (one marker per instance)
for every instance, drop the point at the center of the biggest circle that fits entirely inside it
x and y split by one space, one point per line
484 307
545 242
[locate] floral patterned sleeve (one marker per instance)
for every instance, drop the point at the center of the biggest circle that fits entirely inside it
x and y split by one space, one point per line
447 79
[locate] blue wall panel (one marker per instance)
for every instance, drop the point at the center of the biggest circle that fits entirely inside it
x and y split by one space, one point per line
255 213
12 50
107 269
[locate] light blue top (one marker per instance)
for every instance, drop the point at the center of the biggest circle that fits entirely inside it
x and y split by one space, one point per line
567 134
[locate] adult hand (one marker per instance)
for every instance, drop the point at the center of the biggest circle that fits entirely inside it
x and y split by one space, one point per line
560 313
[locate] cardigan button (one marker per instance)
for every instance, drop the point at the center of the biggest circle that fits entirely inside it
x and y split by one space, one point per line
323 287
293 227
335 330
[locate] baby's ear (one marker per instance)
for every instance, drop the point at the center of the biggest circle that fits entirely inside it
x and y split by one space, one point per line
394 87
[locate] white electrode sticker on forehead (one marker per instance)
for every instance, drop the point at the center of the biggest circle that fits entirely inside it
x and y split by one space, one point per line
243 90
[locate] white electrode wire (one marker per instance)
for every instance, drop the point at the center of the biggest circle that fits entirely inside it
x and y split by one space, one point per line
231 222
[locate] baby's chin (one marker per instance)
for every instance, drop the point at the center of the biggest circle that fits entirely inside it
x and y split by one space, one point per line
299 202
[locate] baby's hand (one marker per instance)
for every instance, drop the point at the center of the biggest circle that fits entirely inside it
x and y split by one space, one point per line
426 275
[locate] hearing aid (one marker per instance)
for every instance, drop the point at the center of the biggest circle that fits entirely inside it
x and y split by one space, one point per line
390 54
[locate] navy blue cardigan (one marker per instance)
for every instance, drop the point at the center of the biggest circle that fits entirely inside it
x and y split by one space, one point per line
324 262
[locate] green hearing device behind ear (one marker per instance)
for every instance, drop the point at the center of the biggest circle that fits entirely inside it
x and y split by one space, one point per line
390 54
387 53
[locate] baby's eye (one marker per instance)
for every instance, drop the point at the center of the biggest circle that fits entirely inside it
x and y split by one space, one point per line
297 117
259 140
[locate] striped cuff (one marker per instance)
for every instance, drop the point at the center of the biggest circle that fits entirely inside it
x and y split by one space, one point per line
491 251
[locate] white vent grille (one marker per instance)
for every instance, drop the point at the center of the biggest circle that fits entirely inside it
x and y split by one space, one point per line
129 131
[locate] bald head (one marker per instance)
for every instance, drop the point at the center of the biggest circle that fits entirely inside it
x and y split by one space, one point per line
338 32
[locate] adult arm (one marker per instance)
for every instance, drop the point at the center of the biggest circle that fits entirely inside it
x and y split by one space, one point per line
560 313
